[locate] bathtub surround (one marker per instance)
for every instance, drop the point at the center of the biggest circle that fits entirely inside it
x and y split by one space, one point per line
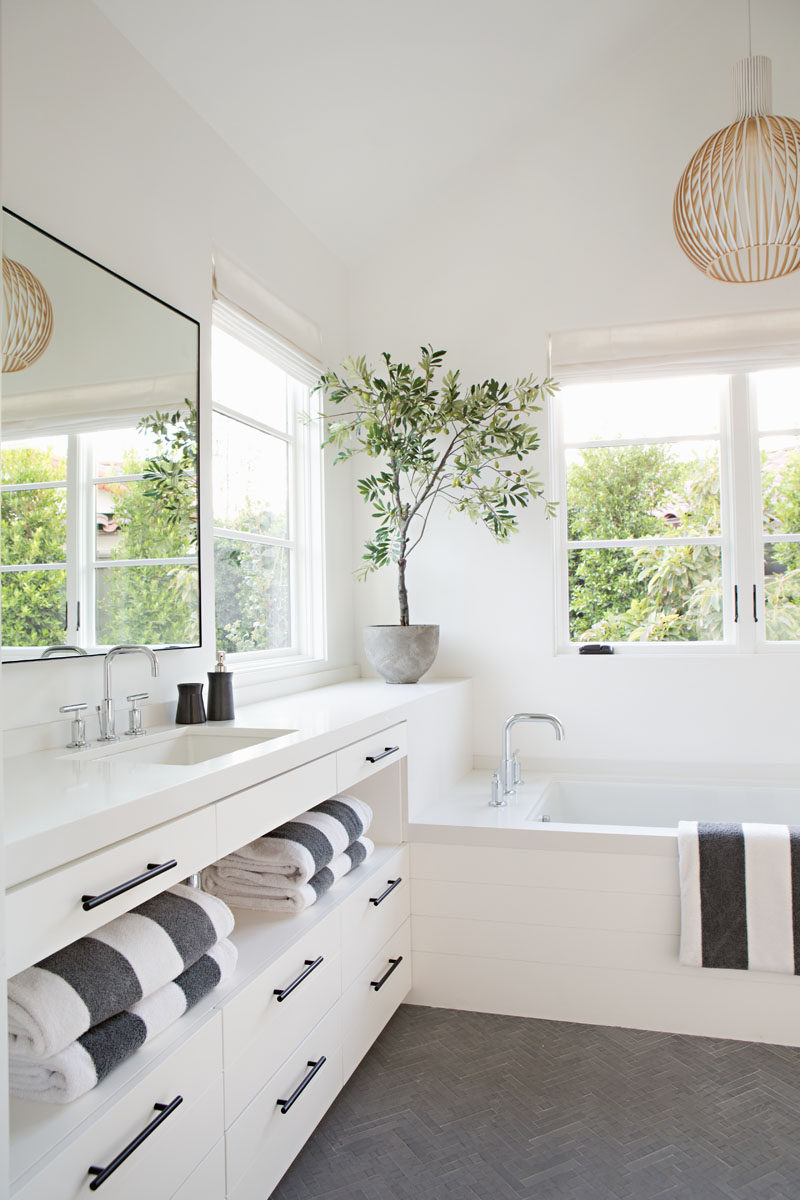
740 896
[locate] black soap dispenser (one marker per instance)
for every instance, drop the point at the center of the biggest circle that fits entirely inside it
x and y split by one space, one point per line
220 691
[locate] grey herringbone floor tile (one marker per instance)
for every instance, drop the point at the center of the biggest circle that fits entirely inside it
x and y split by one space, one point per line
470 1106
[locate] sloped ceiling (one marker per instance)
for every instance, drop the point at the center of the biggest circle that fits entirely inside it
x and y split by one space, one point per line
355 112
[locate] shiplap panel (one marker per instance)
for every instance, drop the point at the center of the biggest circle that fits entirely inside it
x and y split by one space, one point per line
732 1004
622 950
546 906
638 873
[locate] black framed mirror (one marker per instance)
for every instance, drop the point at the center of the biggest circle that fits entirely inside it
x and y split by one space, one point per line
99 492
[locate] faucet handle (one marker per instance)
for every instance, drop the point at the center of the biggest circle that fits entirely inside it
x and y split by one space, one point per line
135 715
78 726
517 768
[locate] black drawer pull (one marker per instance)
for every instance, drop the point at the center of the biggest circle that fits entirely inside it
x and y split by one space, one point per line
386 750
301 1087
376 900
378 983
102 1173
311 964
153 869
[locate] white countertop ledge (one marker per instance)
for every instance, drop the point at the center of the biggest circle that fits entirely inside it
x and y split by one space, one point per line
60 806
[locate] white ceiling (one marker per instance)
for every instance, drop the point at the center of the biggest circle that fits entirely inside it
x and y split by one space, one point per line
355 112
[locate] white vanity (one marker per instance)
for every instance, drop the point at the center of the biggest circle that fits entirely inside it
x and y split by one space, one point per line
258 1062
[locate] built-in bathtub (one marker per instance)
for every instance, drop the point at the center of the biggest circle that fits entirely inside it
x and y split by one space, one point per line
577 918
658 803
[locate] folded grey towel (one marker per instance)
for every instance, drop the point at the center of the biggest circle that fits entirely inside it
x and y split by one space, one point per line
54 1002
80 1066
246 888
298 849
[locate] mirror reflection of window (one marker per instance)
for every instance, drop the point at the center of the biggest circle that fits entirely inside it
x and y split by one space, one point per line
124 500
99 463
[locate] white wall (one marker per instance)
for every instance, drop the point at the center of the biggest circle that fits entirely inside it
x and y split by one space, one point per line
563 233
99 151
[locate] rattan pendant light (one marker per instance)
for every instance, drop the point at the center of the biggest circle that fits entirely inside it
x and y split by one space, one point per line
27 317
737 206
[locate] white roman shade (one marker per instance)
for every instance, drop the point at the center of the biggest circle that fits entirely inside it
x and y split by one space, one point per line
744 341
289 339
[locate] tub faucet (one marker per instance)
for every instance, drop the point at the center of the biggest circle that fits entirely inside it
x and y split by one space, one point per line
61 651
508 777
105 711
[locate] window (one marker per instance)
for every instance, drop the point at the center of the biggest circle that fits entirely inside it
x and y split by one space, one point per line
91 554
679 512
266 471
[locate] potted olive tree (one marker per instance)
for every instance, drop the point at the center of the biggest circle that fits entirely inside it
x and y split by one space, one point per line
437 442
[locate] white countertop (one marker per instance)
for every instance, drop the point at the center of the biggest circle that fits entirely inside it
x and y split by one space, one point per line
60 806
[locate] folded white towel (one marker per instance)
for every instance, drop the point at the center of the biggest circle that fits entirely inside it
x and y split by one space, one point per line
244 888
740 896
82 1064
54 1002
299 849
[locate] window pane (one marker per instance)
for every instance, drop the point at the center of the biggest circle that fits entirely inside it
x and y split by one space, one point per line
156 605
252 596
34 604
782 591
35 460
33 526
134 520
251 479
643 491
246 381
642 409
780 484
778 398
650 594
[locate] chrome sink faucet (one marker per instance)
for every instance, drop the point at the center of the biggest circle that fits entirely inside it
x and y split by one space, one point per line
506 780
105 711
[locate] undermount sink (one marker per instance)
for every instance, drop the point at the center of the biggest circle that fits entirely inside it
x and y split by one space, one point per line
184 747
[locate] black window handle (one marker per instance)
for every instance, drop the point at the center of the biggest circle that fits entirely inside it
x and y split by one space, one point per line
755 604
376 900
373 758
378 984
310 964
153 869
301 1087
102 1173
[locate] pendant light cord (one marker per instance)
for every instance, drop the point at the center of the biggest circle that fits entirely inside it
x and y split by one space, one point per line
749 32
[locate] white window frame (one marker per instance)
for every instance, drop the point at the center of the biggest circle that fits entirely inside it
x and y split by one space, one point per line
82 563
305 541
743 539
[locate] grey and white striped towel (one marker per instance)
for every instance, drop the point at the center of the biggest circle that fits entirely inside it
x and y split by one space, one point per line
84 1063
740 896
298 849
245 888
54 1002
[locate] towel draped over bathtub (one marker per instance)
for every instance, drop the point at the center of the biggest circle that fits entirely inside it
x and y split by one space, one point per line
740 896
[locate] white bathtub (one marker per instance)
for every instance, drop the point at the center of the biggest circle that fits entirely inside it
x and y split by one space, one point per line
649 802
578 918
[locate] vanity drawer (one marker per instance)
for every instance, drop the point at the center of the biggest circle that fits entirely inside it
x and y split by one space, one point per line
46 913
262 1143
161 1163
353 762
206 1182
260 1031
366 925
365 1008
249 814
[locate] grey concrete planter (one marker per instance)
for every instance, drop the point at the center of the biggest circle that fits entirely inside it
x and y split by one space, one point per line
401 653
